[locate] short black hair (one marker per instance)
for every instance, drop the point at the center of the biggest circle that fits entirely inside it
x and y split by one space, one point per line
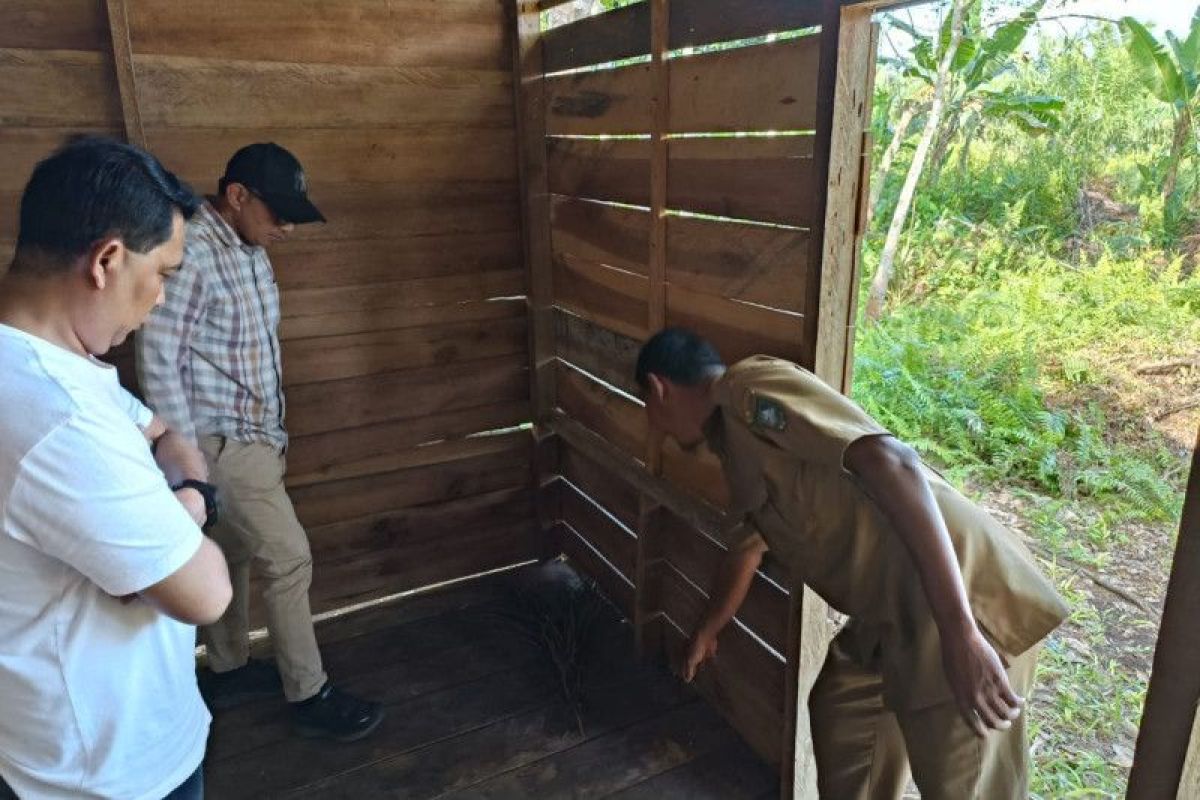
93 188
678 355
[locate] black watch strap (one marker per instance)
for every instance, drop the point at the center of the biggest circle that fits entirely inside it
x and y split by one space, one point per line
208 492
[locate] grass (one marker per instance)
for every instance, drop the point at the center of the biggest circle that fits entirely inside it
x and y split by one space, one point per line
1013 370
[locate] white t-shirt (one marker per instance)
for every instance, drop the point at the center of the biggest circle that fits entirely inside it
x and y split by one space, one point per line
98 698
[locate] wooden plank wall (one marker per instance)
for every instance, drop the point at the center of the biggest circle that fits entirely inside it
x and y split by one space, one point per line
405 327
655 220
56 67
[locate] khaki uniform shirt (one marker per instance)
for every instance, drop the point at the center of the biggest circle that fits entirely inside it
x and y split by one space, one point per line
781 434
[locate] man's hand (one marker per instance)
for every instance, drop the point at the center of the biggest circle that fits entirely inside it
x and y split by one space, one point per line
193 502
980 685
699 648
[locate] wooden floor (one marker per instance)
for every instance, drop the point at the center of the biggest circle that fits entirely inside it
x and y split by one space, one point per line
473 712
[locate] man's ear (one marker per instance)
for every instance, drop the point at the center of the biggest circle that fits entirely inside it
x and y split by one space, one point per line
105 256
236 195
657 387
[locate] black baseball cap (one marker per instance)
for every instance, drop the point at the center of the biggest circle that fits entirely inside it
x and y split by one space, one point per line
275 175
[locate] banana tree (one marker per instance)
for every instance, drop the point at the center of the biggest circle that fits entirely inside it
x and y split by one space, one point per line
960 66
1172 77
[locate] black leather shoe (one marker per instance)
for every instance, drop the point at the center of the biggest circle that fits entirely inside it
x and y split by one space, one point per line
254 680
333 714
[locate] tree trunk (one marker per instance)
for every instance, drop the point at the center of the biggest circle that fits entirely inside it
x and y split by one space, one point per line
1183 126
883 275
885 164
942 148
964 152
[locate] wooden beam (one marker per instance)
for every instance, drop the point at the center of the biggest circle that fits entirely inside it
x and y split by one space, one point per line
660 81
1189 785
844 94
122 45
1166 735
648 560
841 242
876 6
530 109
827 76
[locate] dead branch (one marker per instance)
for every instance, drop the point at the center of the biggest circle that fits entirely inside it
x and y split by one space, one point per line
1175 409
1091 575
1168 367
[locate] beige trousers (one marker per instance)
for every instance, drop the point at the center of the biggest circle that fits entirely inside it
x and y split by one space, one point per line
258 525
865 752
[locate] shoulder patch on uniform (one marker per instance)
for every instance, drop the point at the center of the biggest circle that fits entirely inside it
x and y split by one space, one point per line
768 413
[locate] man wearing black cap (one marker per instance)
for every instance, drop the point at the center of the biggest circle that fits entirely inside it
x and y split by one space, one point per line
209 364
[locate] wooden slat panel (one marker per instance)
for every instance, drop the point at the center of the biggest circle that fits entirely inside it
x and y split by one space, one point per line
362 32
397 296
609 297
54 25
585 559
369 155
610 36
745 683
22 148
63 88
616 544
10 209
357 450
698 473
612 101
755 263
335 405
306 264
390 210
738 330
763 179
415 547
364 320
443 472
606 354
612 169
699 558
333 357
210 93
619 420
612 235
605 452
421 527
611 491
697 22
372 449
760 88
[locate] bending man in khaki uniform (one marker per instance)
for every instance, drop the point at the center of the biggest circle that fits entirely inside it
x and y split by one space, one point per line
947 608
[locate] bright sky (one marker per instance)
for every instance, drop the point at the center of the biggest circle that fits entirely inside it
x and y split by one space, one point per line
1173 15
1159 15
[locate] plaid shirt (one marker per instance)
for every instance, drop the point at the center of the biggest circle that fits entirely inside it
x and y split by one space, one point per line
208 358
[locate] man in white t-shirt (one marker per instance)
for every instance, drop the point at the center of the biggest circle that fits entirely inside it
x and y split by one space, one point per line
104 571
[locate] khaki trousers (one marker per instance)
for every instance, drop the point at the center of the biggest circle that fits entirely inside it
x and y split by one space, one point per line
865 751
258 525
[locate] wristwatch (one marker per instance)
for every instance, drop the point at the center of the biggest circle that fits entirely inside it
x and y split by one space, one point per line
208 492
